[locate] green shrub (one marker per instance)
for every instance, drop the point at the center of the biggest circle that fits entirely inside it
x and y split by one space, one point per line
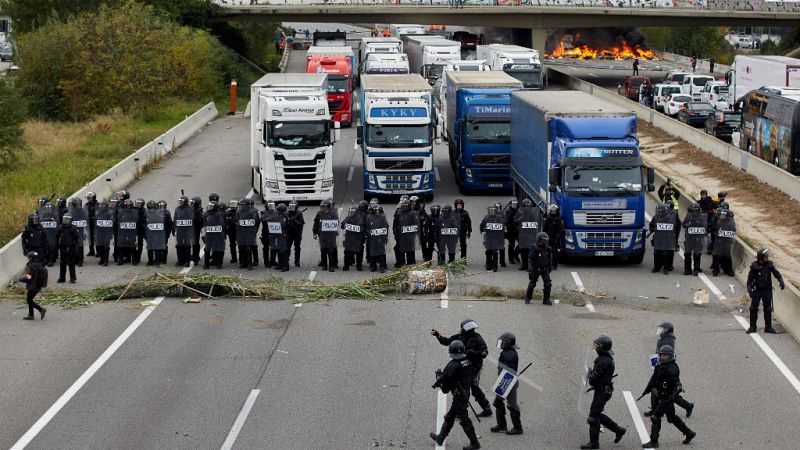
12 114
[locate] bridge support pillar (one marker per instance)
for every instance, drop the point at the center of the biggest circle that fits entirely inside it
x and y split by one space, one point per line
538 40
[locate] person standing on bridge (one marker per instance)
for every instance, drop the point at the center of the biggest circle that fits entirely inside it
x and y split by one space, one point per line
599 381
635 66
759 285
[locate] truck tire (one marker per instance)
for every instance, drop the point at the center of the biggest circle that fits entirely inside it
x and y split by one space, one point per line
637 258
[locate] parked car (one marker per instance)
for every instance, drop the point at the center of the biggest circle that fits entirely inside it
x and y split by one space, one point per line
629 87
694 84
695 113
675 103
722 124
662 92
675 76
6 52
716 93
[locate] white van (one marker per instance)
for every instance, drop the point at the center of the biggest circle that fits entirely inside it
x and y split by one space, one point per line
693 85
661 93
716 93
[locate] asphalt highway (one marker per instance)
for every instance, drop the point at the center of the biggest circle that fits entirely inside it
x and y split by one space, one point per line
227 373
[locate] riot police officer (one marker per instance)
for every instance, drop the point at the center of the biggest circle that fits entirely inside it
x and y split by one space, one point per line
527 223
355 230
664 225
214 227
447 232
512 230
141 228
247 220
399 257
68 238
508 360
168 226
493 228
33 238
406 230
666 336
48 217
104 226
61 208
268 215
476 352
724 237
540 260
326 230
91 211
599 380
277 237
428 235
294 228
695 226
378 237
464 226
455 378
665 384
759 285
184 231
197 207
127 230
81 223
554 227
230 229
155 233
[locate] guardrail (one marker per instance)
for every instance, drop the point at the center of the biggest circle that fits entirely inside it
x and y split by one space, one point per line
762 170
709 5
12 260
786 303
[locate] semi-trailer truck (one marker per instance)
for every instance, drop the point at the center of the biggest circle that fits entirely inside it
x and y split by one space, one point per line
377 63
330 38
520 62
440 87
396 135
478 123
380 45
749 73
338 63
581 153
402 29
428 55
291 147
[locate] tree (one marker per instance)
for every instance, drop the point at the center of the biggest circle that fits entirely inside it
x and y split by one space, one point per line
29 15
702 42
12 114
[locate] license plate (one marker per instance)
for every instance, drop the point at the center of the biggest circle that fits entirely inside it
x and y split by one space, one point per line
398 192
604 253
496 185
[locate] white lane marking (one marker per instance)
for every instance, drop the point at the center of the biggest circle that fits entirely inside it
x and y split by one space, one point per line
441 408
647 216
350 173
770 354
240 419
186 270
436 170
644 436
312 275
581 289
593 75
522 378
445 296
711 286
84 378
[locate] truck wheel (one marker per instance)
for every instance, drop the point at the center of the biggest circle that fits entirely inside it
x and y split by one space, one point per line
637 258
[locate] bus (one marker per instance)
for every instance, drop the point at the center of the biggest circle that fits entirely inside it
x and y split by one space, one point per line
771 126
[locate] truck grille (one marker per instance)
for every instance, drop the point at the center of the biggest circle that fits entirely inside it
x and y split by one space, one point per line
493 159
398 164
604 235
604 245
493 175
399 182
335 105
584 217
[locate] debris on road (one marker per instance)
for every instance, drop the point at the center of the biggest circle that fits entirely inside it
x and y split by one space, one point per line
430 281
191 300
700 297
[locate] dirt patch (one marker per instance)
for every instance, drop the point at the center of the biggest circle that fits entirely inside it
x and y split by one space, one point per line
765 216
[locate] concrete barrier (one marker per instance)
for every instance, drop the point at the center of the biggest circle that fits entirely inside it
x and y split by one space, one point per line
12 260
786 303
760 169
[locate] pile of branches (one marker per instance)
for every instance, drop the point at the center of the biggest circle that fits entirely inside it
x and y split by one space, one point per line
272 287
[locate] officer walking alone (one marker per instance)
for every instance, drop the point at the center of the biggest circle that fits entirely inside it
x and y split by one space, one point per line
455 378
599 380
509 360
759 285
540 260
35 279
665 385
476 352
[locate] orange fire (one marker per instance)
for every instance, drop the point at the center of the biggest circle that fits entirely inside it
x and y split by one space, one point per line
625 51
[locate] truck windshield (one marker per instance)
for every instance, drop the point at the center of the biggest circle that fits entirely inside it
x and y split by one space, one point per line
618 181
299 134
338 84
387 136
529 79
434 71
489 132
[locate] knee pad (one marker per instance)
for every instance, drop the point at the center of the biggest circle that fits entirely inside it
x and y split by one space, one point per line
548 285
498 402
671 419
592 421
753 308
655 420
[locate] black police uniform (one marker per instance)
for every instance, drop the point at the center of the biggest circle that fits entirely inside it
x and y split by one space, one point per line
68 238
668 338
455 379
464 229
665 384
600 380
91 213
509 360
476 352
512 233
759 285
294 228
355 229
33 285
34 240
540 260
230 232
554 227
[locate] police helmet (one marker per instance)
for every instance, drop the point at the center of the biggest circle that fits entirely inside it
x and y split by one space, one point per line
375 208
363 205
332 202
281 208
183 200
43 200
405 197
762 253
197 202
351 211
665 327
666 350
542 236
458 202
213 197
127 203
457 350
151 204
552 210
527 203
694 207
722 194
602 343
447 210
91 196
233 204
103 206
76 202
414 198
436 210
405 205
492 210
124 195
270 206
32 255
374 201
468 325
380 209
246 202
162 204
212 206
61 202
514 203
114 201
293 205
33 218
139 203
724 205
507 340
66 219
325 204
498 205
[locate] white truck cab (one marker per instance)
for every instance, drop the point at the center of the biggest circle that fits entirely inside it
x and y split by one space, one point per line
716 93
521 63
376 63
693 85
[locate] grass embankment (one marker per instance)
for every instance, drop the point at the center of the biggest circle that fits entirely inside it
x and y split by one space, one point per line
65 156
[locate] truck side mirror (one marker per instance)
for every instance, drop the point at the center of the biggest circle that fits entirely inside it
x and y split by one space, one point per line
262 135
359 134
552 188
651 179
554 175
337 132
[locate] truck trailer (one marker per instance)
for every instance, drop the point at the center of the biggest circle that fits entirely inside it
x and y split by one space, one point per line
338 63
749 73
396 135
428 55
377 45
291 147
520 62
581 153
478 124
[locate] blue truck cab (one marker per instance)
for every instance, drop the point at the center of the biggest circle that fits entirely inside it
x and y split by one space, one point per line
581 153
478 128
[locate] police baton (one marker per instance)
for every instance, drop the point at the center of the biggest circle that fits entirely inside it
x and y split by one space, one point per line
466 392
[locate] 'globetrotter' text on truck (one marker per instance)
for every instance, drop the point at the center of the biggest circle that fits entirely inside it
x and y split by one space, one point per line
479 128
291 148
396 135
588 150
338 64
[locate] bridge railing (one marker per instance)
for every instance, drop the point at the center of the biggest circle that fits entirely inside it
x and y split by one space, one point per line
718 5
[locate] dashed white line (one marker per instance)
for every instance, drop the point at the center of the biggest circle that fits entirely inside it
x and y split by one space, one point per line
644 436
350 173
240 419
581 288
712 287
770 354
445 295
436 170
84 378
441 408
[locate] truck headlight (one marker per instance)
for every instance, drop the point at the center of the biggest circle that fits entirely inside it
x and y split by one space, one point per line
372 183
345 116
468 172
327 183
639 235
568 236
273 185
426 179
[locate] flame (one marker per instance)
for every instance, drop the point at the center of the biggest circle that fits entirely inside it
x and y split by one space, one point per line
625 51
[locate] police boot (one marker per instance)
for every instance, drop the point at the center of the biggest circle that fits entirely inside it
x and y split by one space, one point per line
501 426
441 259
768 322
234 259
515 421
753 321
91 251
502 253
438 438
469 430
687 264
546 295
451 257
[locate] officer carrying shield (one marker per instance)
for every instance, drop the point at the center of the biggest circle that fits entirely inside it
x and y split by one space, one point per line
528 224
230 229
494 229
104 231
154 234
354 227
665 385
214 238
378 236
184 231
666 336
247 221
406 231
447 233
510 213
665 227
724 237
509 360
277 237
326 230
695 226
